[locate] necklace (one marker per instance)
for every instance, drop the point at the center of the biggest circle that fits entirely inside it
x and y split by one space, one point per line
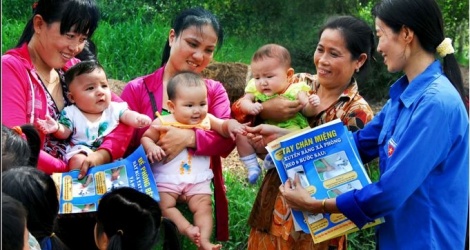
56 79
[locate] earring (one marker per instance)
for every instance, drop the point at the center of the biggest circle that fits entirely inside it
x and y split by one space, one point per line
357 70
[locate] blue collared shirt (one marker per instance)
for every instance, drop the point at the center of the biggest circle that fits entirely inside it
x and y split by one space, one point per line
422 141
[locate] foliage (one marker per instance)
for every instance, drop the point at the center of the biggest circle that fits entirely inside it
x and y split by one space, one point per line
456 20
17 9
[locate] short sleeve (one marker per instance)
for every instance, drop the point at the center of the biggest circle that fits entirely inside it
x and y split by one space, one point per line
251 86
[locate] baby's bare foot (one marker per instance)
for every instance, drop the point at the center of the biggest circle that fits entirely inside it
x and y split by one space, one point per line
194 234
207 245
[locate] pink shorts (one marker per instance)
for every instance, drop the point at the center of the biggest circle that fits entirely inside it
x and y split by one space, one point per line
187 189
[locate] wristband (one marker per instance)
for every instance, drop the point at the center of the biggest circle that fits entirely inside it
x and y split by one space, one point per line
323 206
58 127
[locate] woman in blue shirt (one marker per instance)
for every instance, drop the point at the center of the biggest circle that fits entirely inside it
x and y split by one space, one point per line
420 136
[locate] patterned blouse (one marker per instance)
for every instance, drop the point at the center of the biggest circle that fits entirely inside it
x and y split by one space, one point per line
53 146
351 107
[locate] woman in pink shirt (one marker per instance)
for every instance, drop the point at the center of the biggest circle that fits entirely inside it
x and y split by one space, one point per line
33 83
194 36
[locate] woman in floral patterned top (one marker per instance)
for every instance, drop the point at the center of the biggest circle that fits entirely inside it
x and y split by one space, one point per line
343 51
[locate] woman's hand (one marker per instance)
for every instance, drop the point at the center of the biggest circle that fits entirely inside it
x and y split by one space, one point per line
280 109
265 133
99 157
297 197
174 140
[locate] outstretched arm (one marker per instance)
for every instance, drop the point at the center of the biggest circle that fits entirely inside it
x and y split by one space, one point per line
135 119
176 139
51 126
265 133
227 128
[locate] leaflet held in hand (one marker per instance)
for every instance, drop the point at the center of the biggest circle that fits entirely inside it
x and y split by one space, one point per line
79 196
327 162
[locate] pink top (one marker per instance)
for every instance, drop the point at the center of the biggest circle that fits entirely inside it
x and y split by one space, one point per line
208 143
20 83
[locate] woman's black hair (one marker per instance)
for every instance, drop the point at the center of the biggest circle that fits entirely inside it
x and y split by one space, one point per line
424 17
89 52
13 223
83 67
19 151
193 17
132 220
38 193
79 16
357 34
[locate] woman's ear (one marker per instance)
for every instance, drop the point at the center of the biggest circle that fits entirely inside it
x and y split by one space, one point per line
171 37
361 60
38 23
407 34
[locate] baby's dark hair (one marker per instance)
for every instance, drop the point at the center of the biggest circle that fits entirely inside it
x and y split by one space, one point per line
185 79
80 16
273 51
38 193
19 151
83 67
132 220
13 223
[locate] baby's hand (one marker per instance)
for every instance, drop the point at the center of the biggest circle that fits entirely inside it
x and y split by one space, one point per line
314 100
47 126
155 153
143 120
234 128
255 108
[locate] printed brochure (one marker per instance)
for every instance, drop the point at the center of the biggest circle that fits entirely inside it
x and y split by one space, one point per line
79 196
328 164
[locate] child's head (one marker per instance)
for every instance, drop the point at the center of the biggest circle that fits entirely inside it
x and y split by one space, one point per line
20 146
38 193
187 97
88 87
271 69
128 219
15 235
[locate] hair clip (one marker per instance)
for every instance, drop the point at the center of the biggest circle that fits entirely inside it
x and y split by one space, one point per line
445 47
18 130
34 6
